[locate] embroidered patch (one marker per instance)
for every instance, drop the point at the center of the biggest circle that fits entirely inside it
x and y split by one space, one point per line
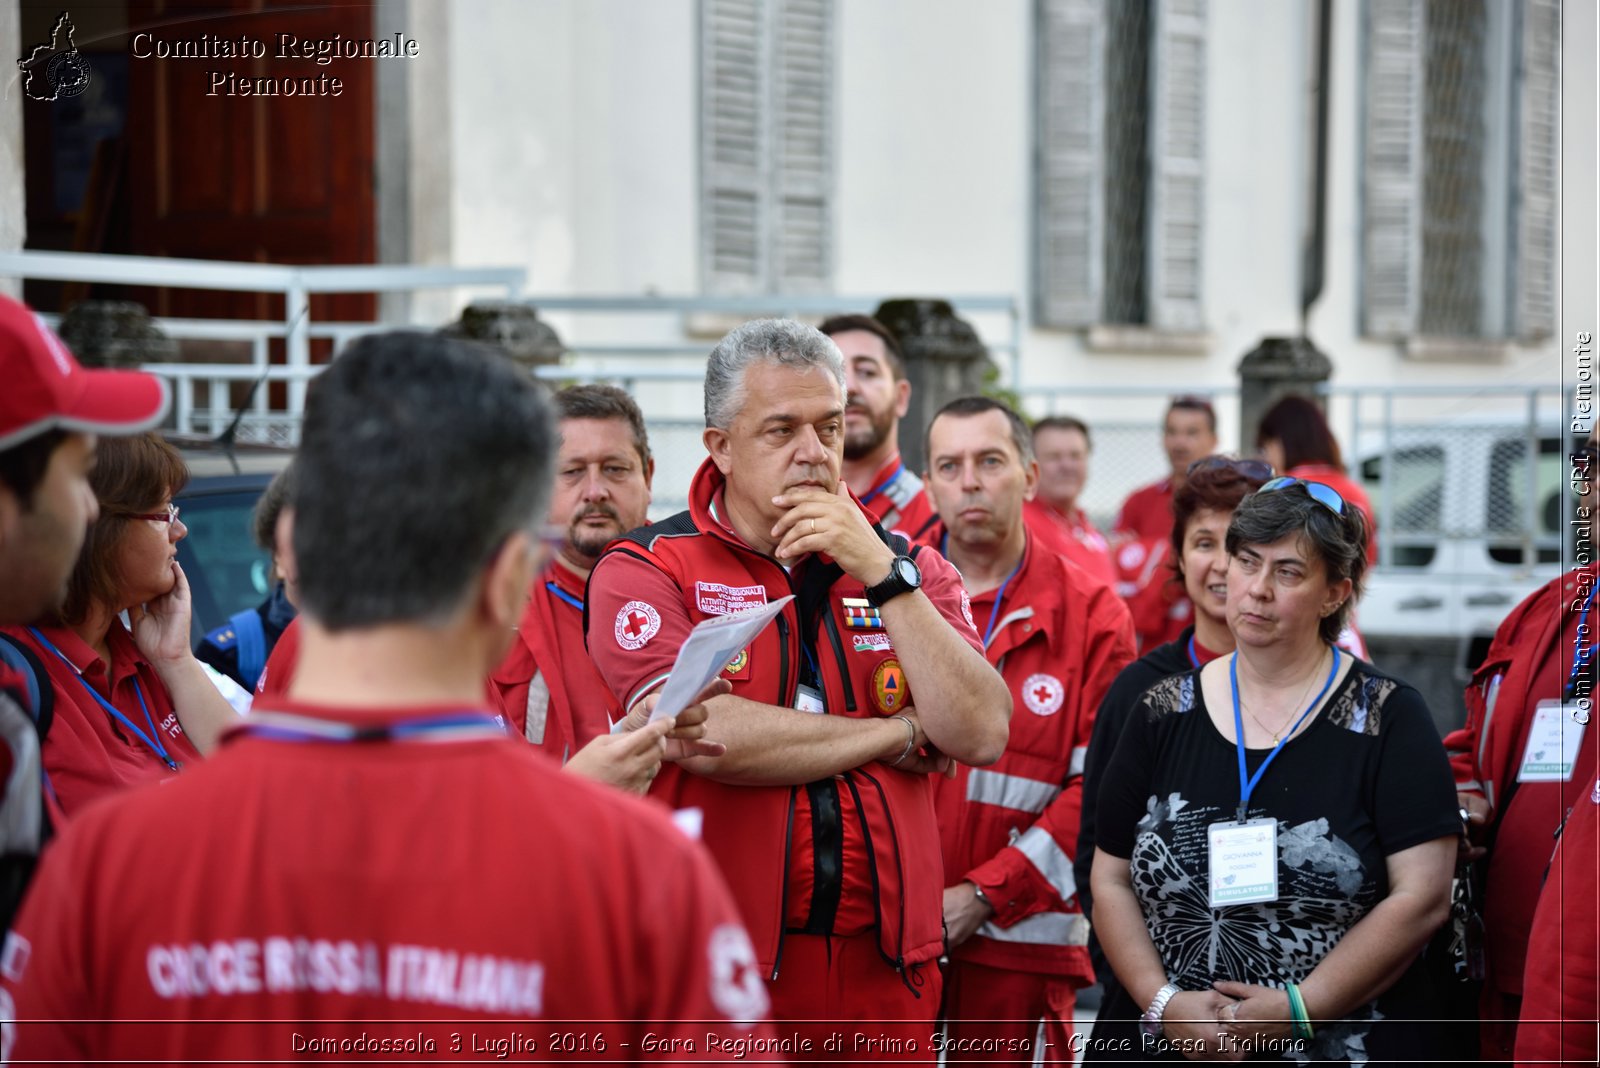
860 613
737 989
1131 556
966 610
14 957
889 686
872 643
636 624
739 666
715 599
1043 694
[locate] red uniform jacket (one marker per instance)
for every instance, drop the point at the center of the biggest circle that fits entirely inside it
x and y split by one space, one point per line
1528 662
898 500
1059 639
1081 542
885 870
383 882
1147 513
547 688
1563 977
88 753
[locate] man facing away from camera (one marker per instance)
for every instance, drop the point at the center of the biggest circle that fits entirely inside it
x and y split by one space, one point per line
842 710
359 849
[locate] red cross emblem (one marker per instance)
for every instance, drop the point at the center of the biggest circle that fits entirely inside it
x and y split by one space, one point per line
1043 694
637 622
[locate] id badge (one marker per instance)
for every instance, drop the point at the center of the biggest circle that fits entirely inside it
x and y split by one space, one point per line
809 699
1242 861
1553 742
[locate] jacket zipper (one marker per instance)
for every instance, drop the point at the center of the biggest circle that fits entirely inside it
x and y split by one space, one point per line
783 893
899 959
838 653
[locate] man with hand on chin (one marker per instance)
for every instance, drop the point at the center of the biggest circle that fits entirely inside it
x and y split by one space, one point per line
869 681
1018 939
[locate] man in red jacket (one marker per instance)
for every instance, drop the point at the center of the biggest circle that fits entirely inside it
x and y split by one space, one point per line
1525 755
356 857
821 810
1061 445
877 396
547 687
1059 637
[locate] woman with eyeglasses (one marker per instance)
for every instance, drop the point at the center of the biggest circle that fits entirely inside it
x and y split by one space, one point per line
1524 759
1276 829
128 706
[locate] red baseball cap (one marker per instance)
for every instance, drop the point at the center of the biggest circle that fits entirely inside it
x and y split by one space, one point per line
43 388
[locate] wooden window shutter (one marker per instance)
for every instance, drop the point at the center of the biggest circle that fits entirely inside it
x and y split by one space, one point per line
1069 260
1391 215
1538 125
1176 242
803 143
734 138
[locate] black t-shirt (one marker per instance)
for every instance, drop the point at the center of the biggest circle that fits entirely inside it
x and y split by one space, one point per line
1368 778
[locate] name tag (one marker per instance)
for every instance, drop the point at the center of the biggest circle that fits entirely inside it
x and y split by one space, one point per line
1242 861
1553 742
809 699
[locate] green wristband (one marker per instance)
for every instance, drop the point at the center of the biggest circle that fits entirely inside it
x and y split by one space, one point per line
1297 1010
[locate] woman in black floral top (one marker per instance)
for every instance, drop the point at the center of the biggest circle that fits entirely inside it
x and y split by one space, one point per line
1277 829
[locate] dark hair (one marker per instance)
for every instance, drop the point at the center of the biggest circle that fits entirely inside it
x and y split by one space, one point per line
1215 486
273 500
1297 423
1191 403
605 402
838 324
419 456
22 466
961 406
131 475
1063 422
1340 541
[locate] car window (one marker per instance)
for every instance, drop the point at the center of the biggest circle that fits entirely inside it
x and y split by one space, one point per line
1507 509
1412 507
227 572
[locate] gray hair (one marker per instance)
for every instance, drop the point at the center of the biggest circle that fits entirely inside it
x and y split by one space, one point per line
1339 541
781 341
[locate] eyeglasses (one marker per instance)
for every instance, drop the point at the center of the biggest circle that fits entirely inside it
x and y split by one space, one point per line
169 517
1324 495
1256 470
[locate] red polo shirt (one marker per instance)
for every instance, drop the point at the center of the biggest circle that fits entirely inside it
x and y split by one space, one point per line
88 752
1147 513
570 704
1078 539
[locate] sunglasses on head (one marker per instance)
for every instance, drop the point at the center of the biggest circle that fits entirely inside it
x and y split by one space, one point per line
1324 495
1257 470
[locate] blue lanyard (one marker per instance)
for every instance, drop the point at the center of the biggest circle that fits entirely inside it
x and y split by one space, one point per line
1247 786
448 727
1194 657
1581 656
564 595
152 740
994 613
891 480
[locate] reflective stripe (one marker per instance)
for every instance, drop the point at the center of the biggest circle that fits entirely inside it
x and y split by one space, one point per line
1010 791
1491 698
1044 929
538 709
1469 787
1010 618
1050 859
1080 757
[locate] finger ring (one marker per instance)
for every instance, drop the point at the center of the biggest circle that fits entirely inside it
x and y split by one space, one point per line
813 526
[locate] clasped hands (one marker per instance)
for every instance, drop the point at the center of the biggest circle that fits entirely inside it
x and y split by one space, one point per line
1228 1022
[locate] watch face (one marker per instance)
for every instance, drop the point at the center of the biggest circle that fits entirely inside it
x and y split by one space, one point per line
907 569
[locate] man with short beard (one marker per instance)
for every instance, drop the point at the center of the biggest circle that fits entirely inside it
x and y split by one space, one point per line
877 396
548 688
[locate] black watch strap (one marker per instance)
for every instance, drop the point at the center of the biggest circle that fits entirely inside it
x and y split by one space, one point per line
904 576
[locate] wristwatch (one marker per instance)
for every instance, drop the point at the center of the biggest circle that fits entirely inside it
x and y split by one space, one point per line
1150 1022
904 576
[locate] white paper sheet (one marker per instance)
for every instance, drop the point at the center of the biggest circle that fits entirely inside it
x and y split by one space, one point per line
711 645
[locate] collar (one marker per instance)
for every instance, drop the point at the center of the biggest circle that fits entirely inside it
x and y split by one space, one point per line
562 576
125 656
1033 596
886 476
366 717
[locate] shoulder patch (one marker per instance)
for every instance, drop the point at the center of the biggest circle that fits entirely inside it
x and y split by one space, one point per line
637 622
224 637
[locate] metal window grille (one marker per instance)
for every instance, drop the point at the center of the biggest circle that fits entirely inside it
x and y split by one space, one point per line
1127 172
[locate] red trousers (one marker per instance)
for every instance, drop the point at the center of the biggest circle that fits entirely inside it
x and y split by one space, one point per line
839 994
993 1014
